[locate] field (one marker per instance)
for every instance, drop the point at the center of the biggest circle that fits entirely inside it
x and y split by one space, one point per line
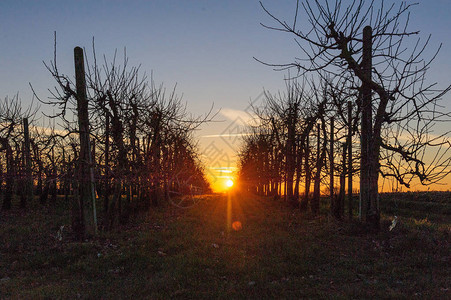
278 253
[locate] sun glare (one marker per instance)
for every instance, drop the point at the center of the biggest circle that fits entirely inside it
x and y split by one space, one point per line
219 178
229 183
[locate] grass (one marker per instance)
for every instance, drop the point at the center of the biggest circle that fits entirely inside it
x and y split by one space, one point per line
279 253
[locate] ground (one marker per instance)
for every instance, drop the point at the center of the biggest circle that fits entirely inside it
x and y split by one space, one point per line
190 253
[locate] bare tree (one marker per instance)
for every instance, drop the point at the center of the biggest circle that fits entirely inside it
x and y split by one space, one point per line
368 44
136 130
11 140
279 147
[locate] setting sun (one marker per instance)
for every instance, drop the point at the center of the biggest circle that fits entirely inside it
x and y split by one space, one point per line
229 183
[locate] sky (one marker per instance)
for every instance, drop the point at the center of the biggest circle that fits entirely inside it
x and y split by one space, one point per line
205 47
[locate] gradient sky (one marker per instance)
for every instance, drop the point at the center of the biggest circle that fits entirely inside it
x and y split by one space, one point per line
206 47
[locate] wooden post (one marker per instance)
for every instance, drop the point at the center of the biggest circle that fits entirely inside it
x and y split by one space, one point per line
349 142
366 125
27 155
331 159
86 176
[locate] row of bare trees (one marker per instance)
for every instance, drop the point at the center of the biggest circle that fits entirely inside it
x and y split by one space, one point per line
361 53
301 144
138 136
15 151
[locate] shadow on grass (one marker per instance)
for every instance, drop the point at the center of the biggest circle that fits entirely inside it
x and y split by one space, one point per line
277 253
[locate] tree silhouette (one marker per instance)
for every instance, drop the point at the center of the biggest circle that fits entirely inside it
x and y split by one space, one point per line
366 47
139 135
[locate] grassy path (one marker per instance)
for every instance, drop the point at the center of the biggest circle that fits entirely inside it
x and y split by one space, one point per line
173 253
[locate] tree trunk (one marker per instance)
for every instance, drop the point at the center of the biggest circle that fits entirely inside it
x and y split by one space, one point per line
339 209
40 169
106 180
298 174
9 188
290 166
67 179
308 174
53 186
1 179
349 169
333 204
45 192
320 156
156 159
115 206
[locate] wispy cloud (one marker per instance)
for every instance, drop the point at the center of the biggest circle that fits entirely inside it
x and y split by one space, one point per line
225 135
239 116
222 172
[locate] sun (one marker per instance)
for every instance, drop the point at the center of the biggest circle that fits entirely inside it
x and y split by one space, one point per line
229 183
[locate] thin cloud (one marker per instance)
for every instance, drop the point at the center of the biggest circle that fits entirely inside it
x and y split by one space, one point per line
239 116
225 135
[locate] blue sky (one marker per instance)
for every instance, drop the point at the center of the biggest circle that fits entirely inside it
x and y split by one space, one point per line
206 47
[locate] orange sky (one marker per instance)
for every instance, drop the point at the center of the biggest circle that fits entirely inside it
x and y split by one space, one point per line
219 157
